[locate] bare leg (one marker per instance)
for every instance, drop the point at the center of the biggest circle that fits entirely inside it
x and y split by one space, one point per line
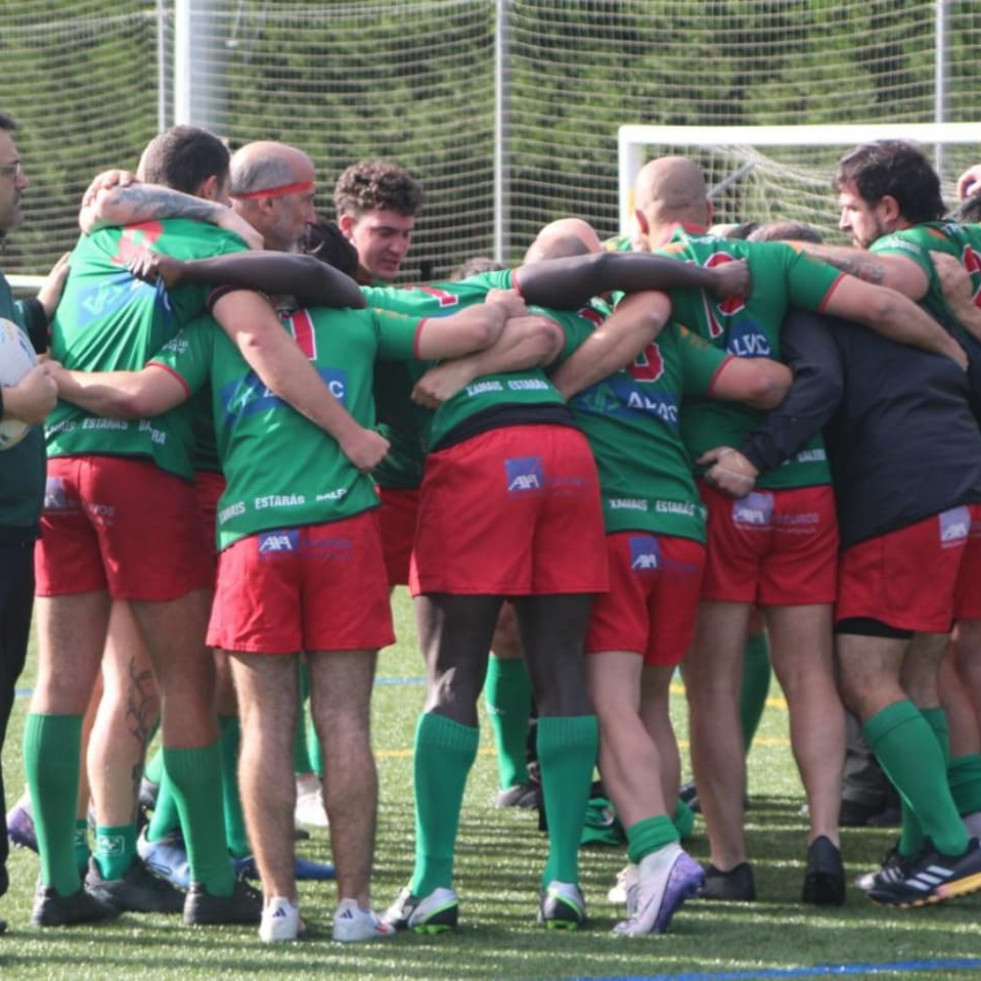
655 693
802 652
267 695
713 680
340 701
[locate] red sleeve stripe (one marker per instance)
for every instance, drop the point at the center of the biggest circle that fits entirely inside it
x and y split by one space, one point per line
171 371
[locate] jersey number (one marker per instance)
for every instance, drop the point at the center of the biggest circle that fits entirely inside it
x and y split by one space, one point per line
649 365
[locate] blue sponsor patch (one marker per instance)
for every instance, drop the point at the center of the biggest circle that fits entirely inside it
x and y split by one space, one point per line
283 540
106 295
249 394
955 525
525 473
747 340
755 510
645 553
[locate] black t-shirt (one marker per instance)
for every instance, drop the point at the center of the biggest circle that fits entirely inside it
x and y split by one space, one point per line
901 436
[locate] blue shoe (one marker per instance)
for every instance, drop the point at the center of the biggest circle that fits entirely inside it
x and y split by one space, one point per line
166 858
20 826
304 869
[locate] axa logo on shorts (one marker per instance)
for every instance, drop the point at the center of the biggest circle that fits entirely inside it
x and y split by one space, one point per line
755 510
55 498
645 553
525 473
284 540
955 525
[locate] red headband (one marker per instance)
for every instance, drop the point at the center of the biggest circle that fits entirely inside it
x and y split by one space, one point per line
302 187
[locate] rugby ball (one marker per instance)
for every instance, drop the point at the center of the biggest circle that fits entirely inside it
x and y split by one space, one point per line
17 357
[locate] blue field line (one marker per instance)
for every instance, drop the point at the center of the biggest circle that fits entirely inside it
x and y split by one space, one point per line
817 971
27 692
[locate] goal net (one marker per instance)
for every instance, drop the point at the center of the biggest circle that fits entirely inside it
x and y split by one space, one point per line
765 173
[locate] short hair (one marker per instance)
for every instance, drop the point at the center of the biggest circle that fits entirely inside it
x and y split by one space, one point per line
785 231
182 157
7 123
739 231
895 168
376 185
475 266
325 241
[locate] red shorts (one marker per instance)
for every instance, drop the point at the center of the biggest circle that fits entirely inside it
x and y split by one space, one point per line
908 578
397 520
208 488
772 547
511 512
121 524
967 593
655 582
315 588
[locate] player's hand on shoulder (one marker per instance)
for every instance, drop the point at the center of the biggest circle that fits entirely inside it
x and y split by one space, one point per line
440 383
34 396
365 448
729 471
512 301
150 266
731 279
967 183
105 181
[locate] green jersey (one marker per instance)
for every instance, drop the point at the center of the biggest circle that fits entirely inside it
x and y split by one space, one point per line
108 320
529 388
632 422
283 471
749 327
916 243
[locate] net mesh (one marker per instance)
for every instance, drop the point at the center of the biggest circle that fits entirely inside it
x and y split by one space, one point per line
414 81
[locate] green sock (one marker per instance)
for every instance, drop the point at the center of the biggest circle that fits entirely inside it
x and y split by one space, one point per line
80 847
165 819
508 694
444 753
911 757
154 769
313 745
648 836
911 837
567 755
52 751
301 753
964 777
196 778
115 849
229 734
756 686
683 820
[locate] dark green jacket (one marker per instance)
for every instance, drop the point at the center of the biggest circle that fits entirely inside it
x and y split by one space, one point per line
22 468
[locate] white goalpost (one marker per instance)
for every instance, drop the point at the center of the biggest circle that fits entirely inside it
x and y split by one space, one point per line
761 173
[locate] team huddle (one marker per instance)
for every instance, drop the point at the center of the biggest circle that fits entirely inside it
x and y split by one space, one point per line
675 450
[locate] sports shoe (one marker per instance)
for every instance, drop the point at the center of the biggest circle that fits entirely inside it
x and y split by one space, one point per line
894 867
626 877
304 869
665 879
562 906
201 908
166 858
52 909
281 921
824 880
353 924
932 877
435 913
310 804
20 825
148 794
737 885
526 795
137 891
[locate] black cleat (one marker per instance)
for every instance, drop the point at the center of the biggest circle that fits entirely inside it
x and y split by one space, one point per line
52 909
736 886
824 880
138 891
527 794
932 878
201 908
